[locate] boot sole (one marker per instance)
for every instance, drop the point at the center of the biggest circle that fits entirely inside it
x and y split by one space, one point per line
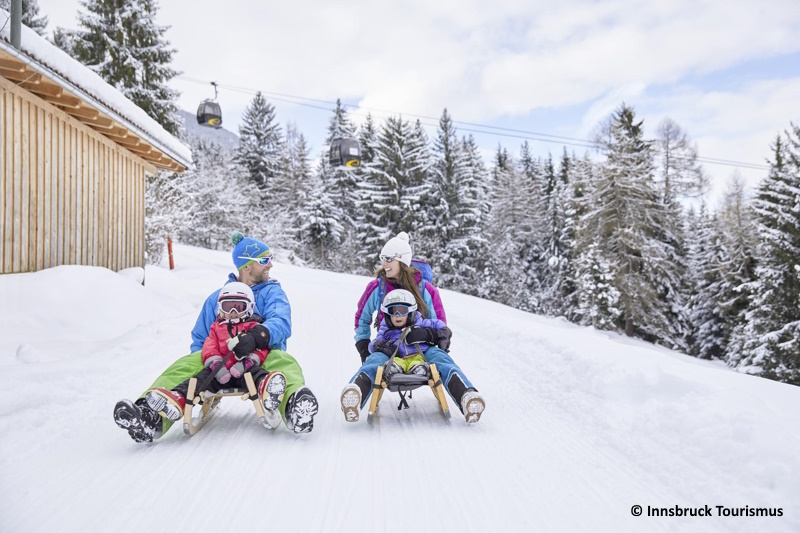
276 387
310 406
164 406
351 401
126 416
474 410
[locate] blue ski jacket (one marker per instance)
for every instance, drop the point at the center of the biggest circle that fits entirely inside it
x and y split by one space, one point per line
271 303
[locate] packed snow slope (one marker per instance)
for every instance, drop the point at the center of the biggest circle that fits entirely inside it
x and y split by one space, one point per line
580 425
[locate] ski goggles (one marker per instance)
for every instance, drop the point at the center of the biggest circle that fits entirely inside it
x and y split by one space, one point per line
260 260
397 310
389 258
233 306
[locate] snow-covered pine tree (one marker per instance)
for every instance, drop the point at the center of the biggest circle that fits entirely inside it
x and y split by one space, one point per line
558 279
772 333
165 211
321 230
671 276
738 237
442 204
532 173
344 192
470 242
627 214
704 255
378 197
597 298
121 41
582 236
30 15
510 236
400 167
292 187
214 203
454 226
726 266
261 147
416 192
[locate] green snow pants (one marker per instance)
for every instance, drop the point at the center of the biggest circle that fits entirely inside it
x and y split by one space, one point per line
189 365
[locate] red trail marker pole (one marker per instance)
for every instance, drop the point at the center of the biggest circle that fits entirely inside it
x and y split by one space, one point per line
169 249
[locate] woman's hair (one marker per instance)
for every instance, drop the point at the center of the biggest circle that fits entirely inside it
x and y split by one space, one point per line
405 280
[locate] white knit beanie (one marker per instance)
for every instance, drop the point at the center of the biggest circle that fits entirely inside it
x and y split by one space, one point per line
398 246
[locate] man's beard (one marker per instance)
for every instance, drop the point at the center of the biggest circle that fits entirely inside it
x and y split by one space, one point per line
262 277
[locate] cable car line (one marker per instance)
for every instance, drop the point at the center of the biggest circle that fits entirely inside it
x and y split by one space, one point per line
509 132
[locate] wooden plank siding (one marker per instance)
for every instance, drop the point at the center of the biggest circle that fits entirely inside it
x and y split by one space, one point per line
68 195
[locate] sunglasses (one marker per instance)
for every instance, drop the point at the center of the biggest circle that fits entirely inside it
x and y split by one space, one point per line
389 258
260 260
233 306
397 310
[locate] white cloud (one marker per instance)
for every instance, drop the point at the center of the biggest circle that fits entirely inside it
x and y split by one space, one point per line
490 61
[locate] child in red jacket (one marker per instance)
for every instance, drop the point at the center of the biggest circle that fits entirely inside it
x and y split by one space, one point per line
235 316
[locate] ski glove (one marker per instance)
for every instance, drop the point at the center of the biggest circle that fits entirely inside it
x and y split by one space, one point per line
363 349
443 338
384 347
255 339
245 365
222 374
426 335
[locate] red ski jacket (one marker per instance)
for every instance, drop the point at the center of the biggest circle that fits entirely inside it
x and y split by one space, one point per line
217 341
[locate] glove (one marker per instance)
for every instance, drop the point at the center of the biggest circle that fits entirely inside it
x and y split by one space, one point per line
243 366
256 338
443 338
383 346
426 335
363 349
222 374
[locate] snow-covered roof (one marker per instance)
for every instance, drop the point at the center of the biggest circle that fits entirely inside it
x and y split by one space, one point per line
53 63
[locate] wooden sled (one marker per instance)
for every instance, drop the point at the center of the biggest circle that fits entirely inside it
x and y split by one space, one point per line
403 383
209 401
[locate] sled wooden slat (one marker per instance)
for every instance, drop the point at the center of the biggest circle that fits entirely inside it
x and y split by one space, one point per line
192 425
376 394
438 390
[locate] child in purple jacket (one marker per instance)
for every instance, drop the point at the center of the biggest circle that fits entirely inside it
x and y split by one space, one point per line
399 309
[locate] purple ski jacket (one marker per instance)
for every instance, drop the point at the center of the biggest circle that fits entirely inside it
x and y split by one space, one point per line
392 334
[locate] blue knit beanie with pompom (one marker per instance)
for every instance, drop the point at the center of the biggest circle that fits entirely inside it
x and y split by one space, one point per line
245 249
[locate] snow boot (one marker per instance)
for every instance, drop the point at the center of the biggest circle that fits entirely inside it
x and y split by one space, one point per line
351 402
472 405
391 369
300 411
420 369
141 422
167 403
270 394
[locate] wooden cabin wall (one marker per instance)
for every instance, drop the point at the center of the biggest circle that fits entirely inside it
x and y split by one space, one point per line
68 195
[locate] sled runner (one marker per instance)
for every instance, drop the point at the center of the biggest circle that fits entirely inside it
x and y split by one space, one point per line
405 383
209 401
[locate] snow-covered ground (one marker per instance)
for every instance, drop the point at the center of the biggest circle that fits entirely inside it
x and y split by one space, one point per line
580 425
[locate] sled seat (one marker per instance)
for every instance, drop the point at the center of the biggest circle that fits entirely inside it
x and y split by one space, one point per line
208 402
405 383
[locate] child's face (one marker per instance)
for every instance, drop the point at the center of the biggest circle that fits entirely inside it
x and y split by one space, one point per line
399 320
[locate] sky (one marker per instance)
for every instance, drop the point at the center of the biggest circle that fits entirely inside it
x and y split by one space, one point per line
728 72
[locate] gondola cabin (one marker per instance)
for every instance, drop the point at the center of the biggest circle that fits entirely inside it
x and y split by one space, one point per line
345 153
209 114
